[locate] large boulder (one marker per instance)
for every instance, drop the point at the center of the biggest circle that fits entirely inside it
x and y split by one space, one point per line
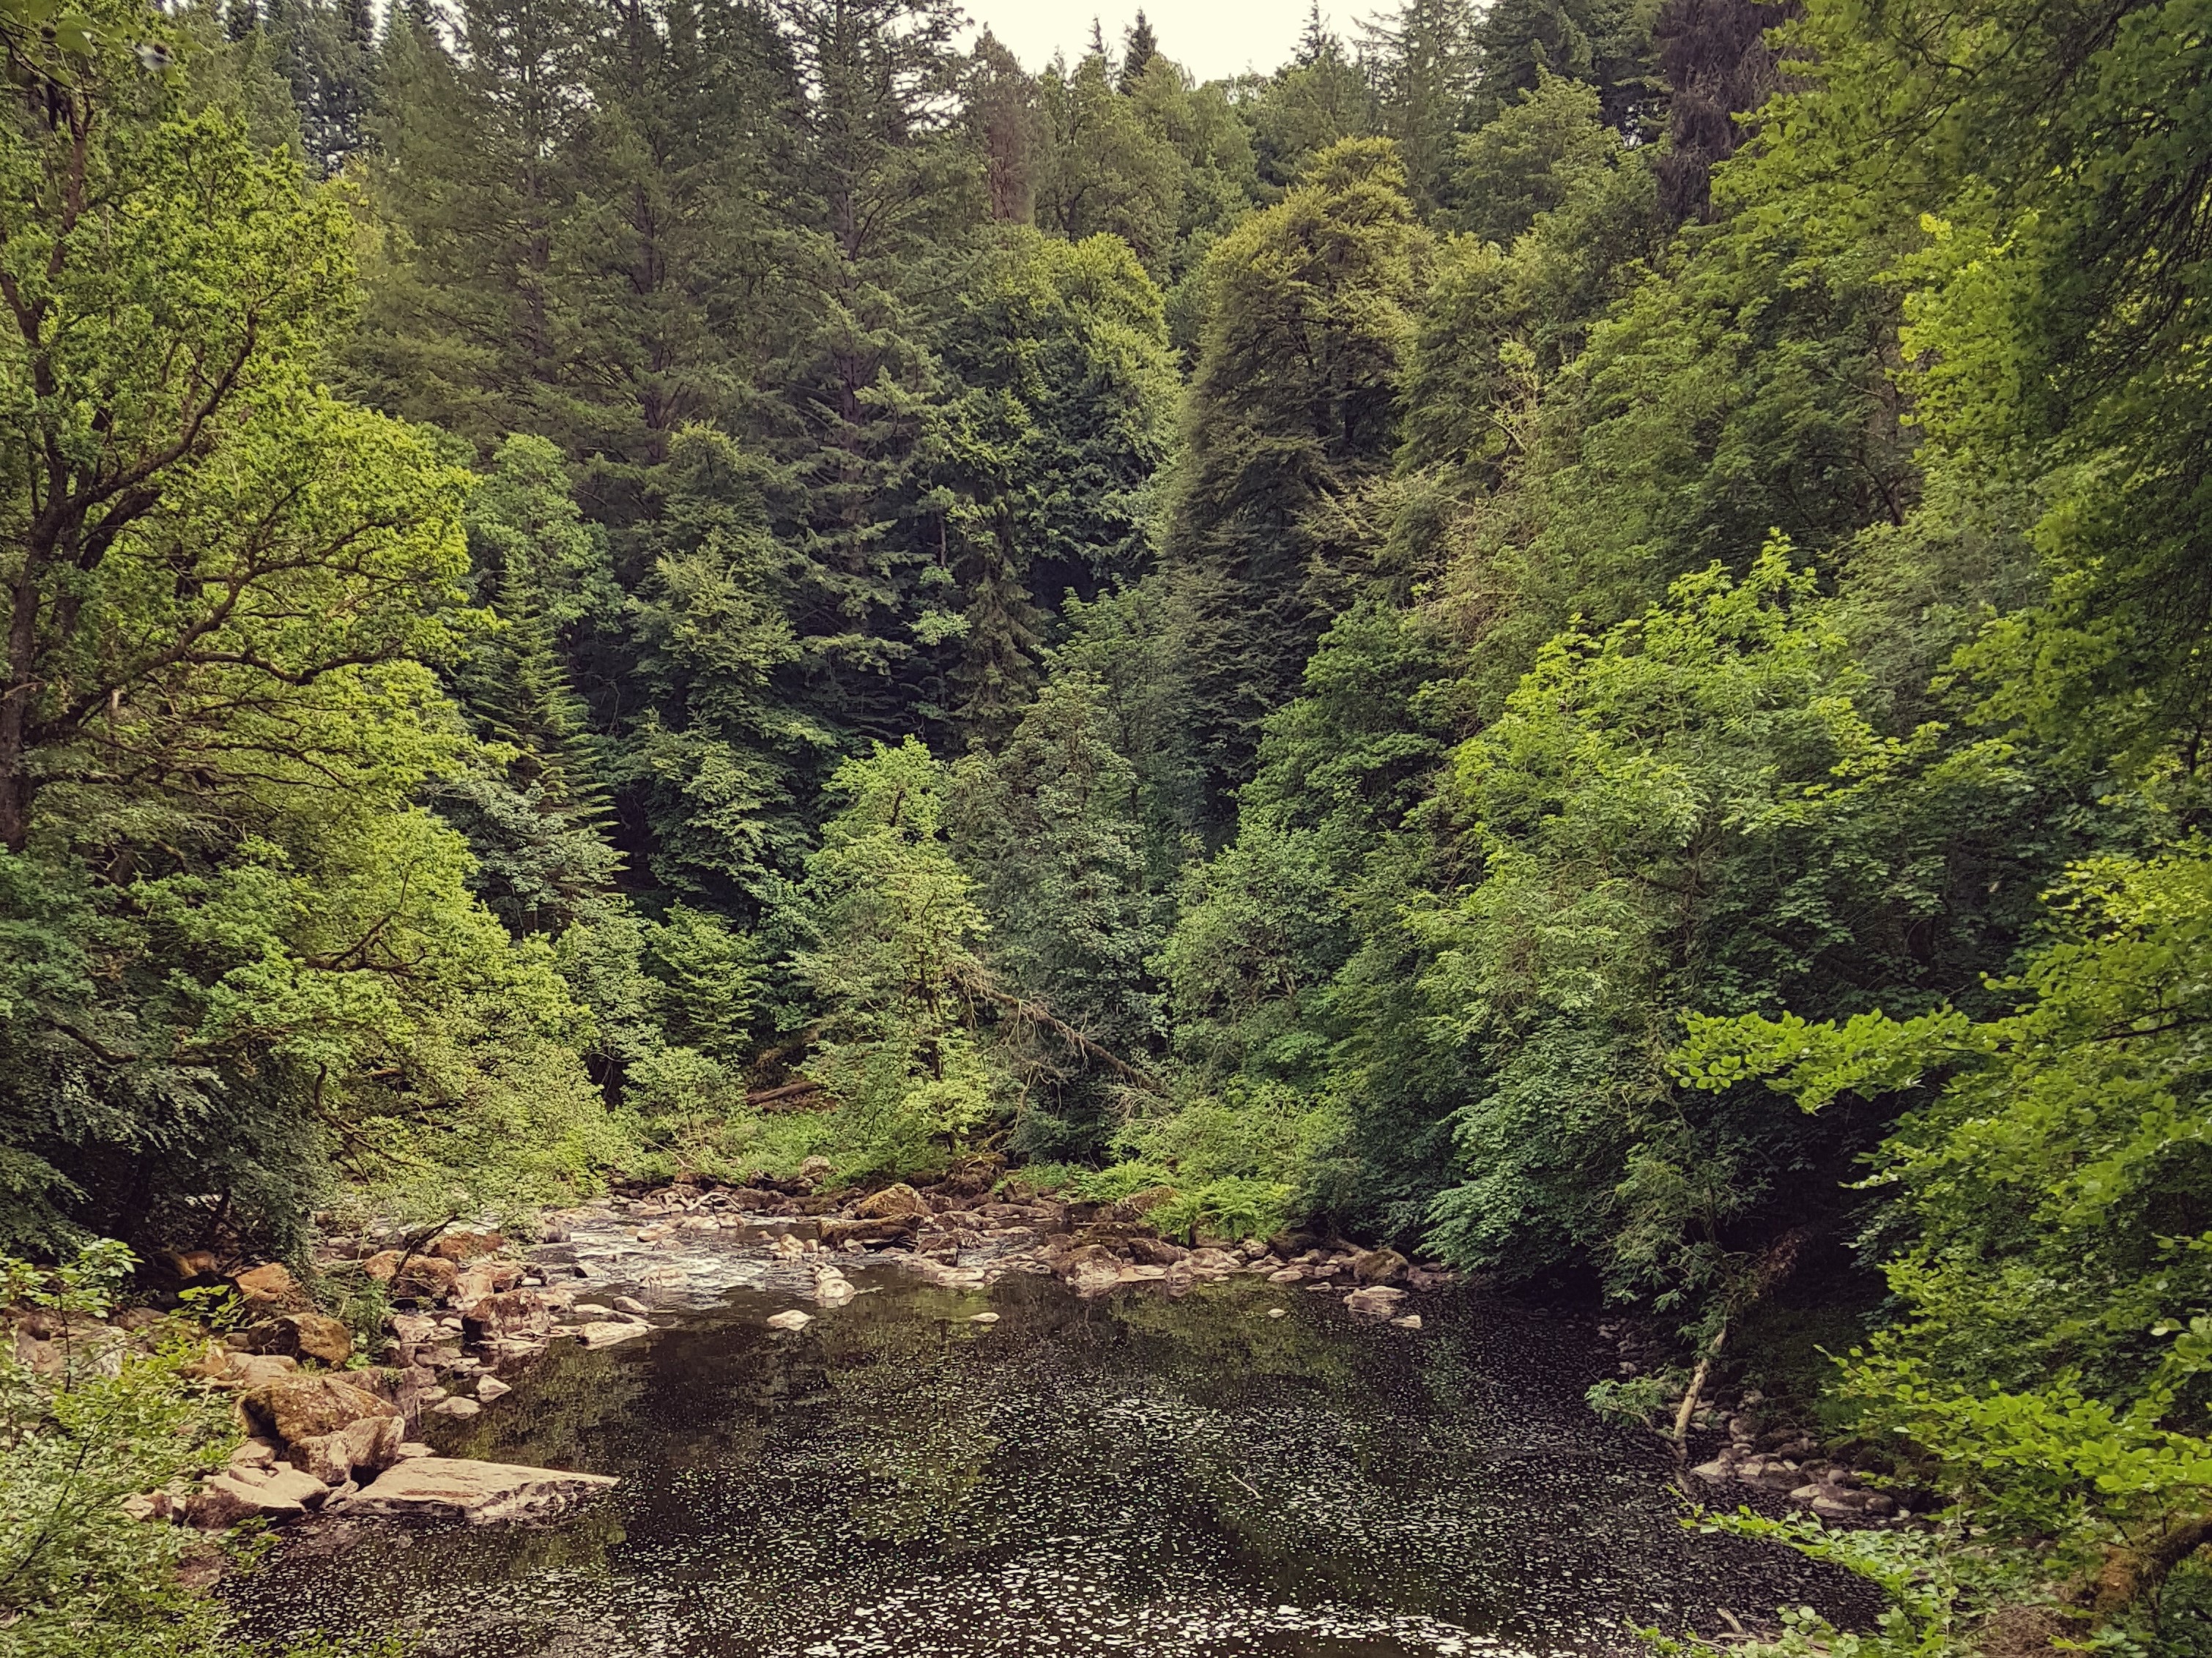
426 1276
836 1233
269 1288
453 1488
1381 1267
486 1277
899 1202
277 1494
509 1313
362 1447
1376 1301
307 1335
457 1247
299 1407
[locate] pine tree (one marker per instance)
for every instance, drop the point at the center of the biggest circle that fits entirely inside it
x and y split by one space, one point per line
1001 100
1717 66
1293 405
888 187
1421 64
1140 47
325 49
470 186
1607 43
1043 463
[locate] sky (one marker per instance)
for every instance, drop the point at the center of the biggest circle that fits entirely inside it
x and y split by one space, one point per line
1210 37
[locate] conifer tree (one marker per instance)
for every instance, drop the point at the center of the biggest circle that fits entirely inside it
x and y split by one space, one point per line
1421 64
1139 45
889 186
1292 406
1001 100
472 187
325 51
1717 66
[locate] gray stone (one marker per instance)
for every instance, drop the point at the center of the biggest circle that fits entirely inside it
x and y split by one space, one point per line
481 1493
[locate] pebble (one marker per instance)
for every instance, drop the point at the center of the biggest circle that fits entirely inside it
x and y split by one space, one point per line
793 1319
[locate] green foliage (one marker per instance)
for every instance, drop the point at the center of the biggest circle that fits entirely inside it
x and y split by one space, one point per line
891 929
77 1574
1293 403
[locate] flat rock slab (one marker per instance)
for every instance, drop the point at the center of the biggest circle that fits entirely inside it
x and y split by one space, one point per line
481 1493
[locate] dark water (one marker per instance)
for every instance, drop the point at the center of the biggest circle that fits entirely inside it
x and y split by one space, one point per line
1134 1477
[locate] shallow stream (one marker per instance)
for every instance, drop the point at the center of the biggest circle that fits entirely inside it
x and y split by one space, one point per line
1131 1476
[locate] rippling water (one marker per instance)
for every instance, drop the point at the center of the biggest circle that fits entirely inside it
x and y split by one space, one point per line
1133 1476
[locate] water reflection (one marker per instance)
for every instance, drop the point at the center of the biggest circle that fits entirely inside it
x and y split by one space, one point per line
1133 1476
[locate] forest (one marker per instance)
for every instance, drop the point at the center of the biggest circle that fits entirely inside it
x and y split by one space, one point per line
1572 633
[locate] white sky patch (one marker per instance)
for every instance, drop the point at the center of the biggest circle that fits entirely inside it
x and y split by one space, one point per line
1211 38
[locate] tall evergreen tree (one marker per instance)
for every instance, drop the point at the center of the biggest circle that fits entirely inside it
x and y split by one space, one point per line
1421 62
1139 45
1717 66
889 186
1001 100
1293 405
326 49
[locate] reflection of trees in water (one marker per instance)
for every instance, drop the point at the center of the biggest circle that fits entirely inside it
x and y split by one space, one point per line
917 1388
562 1413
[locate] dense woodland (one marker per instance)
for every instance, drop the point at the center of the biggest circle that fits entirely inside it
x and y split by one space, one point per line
1577 634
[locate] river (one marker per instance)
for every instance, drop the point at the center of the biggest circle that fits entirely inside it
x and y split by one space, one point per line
1245 1470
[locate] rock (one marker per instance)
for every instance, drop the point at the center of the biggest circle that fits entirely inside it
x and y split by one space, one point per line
310 1335
284 1494
486 1277
1092 1274
373 1443
834 1289
412 1328
228 1368
506 1314
1287 1275
983 1318
605 1334
301 1406
1279 1312
1156 1252
457 1247
792 1320
481 1493
272 1286
1141 1274
411 1449
1410 1321
492 1387
815 1170
1212 1263
1836 1505
1878 1502
455 1407
253 1454
788 1245
836 1234
899 1202
1718 1470
1376 1301
185 1265
428 1276
326 1456
148 1506
630 1304
1380 1267
592 1309
1144 1202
